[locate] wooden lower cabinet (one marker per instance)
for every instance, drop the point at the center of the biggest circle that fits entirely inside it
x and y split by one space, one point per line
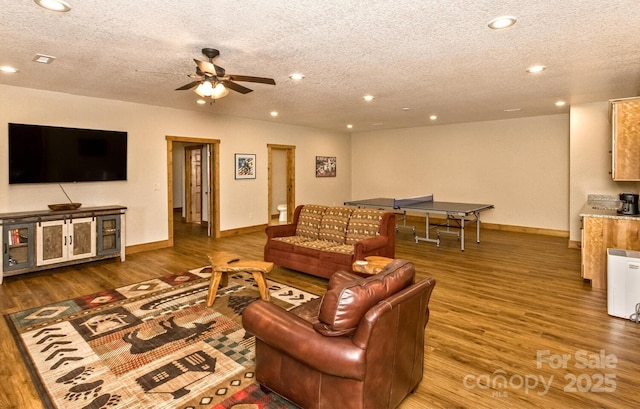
599 234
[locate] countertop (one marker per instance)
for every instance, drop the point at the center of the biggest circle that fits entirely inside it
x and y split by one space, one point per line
604 206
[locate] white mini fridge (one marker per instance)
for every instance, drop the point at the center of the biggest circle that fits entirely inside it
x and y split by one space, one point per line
623 282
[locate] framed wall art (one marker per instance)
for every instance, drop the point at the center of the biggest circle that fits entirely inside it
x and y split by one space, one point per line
245 166
325 166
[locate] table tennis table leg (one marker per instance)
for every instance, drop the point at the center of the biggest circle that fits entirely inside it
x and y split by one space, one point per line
462 222
427 235
477 216
404 223
459 225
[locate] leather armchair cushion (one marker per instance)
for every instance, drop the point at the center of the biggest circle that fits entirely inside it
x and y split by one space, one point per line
341 278
344 305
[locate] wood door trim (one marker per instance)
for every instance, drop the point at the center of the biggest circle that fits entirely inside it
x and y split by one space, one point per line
214 211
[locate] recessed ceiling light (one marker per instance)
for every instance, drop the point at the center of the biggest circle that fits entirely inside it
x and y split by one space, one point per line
296 76
43 59
536 69
368 98
274 113
349 126
8 69
54 5
561 103
502 22
201 101
406 109
433 117
513 109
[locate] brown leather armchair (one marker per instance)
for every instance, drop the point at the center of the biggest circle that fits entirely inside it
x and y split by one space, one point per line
361 345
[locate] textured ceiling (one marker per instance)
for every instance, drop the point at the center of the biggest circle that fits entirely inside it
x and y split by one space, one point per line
433 57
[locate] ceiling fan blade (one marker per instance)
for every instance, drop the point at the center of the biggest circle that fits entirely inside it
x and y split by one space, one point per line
210 68
236 87
205 66
188 86
247 78
219 70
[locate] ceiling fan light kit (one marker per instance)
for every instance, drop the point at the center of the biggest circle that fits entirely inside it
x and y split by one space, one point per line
213 81
207 89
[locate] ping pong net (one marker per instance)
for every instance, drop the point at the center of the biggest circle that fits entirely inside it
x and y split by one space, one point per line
411 201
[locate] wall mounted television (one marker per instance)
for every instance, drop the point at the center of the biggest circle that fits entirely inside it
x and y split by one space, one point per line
50 154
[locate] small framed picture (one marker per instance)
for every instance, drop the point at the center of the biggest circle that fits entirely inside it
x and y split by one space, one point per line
245 166
325 166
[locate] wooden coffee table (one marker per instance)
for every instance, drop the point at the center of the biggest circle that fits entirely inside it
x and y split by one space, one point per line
373 265
223 263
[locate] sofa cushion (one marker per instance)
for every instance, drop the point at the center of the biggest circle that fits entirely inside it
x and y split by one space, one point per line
291 240
321 245
282 246
363 223
309 221
312 248
342 249
343 307
333 226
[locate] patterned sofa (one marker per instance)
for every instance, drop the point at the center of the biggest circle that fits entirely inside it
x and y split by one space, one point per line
324 239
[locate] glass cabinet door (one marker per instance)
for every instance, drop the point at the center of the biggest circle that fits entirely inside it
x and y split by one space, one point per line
17 243
108 234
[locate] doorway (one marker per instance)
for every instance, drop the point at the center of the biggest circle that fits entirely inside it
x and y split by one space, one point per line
200 157
281 180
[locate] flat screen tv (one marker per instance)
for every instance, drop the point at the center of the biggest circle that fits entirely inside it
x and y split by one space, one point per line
50 154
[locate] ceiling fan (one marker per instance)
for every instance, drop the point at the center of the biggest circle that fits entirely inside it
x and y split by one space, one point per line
214 82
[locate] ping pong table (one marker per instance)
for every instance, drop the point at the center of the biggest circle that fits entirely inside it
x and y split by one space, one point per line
457 213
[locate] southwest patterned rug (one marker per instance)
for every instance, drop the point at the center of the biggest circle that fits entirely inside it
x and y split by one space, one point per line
152 344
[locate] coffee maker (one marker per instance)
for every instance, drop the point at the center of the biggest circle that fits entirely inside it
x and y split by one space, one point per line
629 203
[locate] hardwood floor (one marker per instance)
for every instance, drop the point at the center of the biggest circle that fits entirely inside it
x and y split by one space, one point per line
512 323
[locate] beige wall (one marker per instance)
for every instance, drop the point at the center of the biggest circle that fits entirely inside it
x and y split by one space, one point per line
242 203
536 171
521 166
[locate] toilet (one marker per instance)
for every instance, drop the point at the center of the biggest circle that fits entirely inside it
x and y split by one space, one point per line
282 208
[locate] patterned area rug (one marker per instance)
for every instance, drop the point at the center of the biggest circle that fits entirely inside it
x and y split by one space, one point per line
149 345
